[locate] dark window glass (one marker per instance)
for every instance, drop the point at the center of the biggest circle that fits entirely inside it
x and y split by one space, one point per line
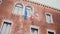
50 32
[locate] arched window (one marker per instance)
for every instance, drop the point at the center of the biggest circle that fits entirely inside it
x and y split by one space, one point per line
29 10
18 9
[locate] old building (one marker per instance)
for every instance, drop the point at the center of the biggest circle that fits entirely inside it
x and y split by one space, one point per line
26 17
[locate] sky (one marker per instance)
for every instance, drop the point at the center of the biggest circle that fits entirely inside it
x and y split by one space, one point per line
51 3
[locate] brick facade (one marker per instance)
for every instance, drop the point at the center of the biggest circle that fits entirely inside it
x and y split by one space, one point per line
19 26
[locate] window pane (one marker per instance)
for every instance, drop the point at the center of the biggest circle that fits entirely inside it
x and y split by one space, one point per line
29 11
15 10
20 12
3 29
34 31
50 32
18 9
7 29
48 18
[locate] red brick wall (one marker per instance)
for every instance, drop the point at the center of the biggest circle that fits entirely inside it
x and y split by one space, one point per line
21 27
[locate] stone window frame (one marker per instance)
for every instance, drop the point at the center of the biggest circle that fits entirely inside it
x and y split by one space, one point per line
15 6
6 20
51 30
51 17
31 8
33 26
